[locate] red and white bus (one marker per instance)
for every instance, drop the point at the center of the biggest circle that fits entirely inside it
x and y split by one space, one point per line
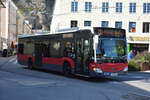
89 52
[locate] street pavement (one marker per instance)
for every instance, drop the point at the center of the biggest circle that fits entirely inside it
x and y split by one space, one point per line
5 60
19 83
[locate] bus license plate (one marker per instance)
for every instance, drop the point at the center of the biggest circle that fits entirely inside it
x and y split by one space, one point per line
114 74
107 74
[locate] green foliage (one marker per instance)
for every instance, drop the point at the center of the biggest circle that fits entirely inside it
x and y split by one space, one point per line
134 64
142 57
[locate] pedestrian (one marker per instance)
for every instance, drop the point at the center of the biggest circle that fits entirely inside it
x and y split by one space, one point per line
130 55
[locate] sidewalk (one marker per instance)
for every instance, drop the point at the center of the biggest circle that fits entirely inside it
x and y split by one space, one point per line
140 72
148 71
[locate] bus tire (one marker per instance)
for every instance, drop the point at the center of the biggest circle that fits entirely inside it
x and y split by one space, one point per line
30 63
67 70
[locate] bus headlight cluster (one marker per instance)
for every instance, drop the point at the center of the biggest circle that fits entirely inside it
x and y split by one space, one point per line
126 69
98 70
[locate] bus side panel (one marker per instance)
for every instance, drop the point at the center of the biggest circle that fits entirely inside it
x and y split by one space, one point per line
22 62
72 63
52 67
55 61
22 59
58 61
56 64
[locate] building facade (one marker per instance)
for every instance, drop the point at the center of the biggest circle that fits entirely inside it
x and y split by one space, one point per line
20 22
12 24
8 24
131 15
1 6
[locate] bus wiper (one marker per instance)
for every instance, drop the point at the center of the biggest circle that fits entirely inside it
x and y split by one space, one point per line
123 56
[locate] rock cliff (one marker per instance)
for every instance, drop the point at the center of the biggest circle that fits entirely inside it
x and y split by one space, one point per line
38 12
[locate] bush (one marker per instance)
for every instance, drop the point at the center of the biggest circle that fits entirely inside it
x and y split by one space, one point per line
140 59
133 66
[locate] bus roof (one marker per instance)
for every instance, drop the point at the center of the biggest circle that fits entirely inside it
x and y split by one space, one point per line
67 30
30 35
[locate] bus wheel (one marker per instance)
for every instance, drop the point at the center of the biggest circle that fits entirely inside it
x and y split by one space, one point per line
67 70
30 64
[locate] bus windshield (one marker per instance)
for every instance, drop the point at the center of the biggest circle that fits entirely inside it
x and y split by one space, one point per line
111 48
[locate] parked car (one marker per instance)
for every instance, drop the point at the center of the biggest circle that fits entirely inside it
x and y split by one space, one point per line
6 53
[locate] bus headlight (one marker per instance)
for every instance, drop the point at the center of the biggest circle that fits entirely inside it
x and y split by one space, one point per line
126 69
98 70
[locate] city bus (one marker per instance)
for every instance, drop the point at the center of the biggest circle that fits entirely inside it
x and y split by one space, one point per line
91 52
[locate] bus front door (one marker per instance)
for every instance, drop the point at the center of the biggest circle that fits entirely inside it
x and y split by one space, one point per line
79 56
38 54
82 56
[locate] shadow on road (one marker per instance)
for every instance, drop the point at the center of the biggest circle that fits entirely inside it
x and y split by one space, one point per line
88 79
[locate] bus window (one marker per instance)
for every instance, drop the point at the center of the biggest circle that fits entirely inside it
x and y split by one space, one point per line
45 50
28 48
21 48
69 50
55 48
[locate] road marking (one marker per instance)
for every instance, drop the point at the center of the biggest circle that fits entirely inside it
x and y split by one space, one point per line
36 82
11 60
115 82
15 62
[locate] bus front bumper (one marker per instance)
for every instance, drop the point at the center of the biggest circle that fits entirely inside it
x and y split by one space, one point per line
107 74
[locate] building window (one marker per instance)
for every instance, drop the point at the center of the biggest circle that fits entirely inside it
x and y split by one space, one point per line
88 6
132 8
146 27
105 7
132 26
104 24
87 23
119 7
118 24
74 6
146 8
74 23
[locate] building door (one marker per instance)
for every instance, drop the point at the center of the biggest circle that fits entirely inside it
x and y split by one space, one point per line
38 54
137 48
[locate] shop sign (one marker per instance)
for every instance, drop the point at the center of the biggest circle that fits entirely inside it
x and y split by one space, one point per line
138 38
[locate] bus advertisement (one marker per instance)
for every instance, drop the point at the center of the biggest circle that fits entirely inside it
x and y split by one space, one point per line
95 52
